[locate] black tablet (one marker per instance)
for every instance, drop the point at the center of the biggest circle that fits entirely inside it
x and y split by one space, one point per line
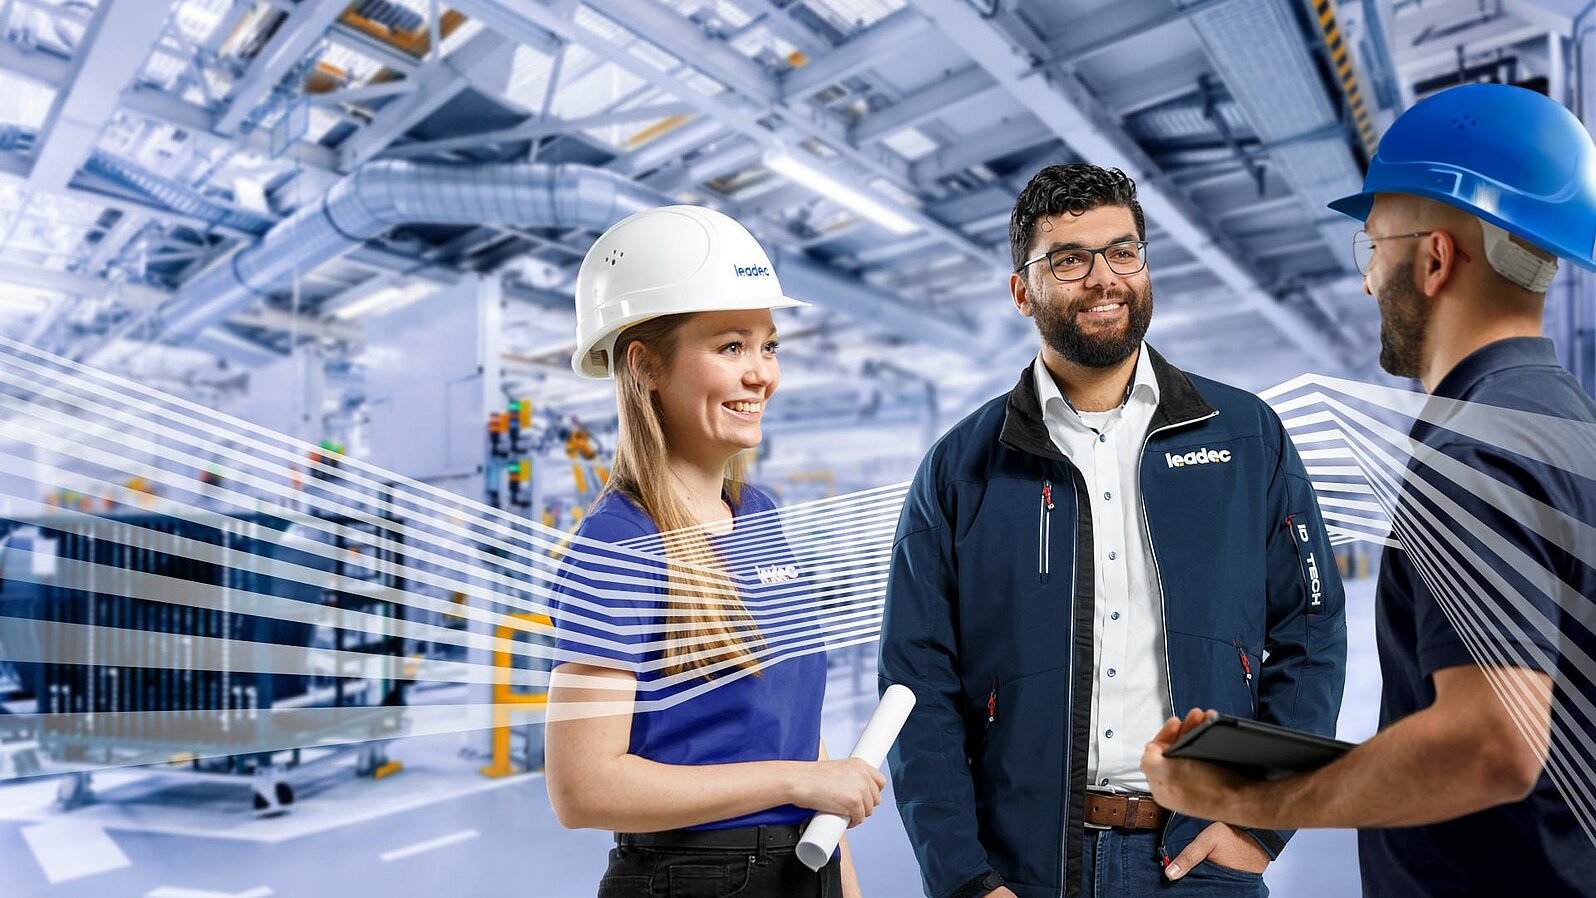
1260 750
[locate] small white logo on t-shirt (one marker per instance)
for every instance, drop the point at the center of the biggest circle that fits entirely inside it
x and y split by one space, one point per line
777 573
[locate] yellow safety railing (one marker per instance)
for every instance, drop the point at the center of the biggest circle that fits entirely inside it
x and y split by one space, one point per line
504 696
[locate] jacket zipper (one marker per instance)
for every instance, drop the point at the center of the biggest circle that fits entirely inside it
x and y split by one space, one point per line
1246 675
1163 616
1307 565
1069 715
1044 532
991 712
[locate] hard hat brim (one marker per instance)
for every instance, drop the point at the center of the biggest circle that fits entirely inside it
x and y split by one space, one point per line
1358 206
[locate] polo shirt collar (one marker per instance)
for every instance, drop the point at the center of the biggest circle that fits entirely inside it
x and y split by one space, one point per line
1513 352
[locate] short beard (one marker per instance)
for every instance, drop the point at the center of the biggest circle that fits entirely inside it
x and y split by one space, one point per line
1404 317
1056 322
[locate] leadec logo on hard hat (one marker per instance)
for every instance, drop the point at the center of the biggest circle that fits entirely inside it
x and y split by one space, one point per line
753 271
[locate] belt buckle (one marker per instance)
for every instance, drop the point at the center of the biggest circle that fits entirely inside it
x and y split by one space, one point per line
1090 791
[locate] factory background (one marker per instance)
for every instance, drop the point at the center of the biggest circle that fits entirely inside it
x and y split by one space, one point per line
357 225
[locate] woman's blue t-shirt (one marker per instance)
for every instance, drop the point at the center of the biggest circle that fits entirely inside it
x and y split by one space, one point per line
606 612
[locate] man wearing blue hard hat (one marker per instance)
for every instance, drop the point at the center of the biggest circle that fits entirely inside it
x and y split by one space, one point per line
1485 747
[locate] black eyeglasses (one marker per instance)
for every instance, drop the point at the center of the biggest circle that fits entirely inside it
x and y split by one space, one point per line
1073 264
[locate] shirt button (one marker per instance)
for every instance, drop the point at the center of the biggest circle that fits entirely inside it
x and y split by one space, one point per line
1109 734
1111 671
1112 556
1103 781
1114 616
1102 438
1107 494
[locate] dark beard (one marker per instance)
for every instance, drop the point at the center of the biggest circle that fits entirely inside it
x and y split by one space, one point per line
1057 324
1404 316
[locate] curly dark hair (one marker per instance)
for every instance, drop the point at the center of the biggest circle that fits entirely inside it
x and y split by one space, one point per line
1074 188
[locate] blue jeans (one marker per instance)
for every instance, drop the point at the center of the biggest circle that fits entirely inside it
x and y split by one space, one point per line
1122 864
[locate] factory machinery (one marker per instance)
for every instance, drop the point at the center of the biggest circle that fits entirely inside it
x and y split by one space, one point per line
520 443
522 449
133 642
105 635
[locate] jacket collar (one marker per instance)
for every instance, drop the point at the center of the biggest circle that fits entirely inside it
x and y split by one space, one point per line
1024 430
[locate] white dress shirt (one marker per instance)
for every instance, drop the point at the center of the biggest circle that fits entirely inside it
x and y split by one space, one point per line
1130 693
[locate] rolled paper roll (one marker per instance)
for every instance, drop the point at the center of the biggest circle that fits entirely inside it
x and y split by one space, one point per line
825 830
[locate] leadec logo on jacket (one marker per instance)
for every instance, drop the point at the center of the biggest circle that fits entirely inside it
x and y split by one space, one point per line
1203 456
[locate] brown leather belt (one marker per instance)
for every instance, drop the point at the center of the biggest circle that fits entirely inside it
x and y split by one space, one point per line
1123 811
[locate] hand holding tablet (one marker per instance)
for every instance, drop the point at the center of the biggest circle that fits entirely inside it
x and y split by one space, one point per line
1255 749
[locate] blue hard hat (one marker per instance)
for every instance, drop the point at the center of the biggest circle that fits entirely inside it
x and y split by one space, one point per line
1509 155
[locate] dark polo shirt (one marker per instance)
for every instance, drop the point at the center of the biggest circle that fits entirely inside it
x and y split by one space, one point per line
1481 538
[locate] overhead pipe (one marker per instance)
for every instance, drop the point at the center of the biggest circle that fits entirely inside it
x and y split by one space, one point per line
383 195
380 196
222 342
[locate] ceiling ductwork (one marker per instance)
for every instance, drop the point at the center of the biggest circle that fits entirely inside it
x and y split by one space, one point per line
383 195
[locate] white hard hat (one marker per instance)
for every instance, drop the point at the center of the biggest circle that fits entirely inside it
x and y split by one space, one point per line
666 261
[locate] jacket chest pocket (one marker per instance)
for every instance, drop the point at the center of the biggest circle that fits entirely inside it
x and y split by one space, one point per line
1013 571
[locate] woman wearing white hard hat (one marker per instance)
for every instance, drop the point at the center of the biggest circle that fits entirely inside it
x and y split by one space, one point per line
710 772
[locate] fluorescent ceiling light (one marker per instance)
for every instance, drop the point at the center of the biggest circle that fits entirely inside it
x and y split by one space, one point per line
24 102
196 19
860 201
387 299
23 298
250 193
910 143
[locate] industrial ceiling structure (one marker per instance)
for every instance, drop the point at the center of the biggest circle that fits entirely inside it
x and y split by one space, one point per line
163 160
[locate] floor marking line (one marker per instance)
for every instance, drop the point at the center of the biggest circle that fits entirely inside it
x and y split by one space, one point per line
175 892
69 849
398 853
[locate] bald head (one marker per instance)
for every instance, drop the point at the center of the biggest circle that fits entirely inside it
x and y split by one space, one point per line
1400 213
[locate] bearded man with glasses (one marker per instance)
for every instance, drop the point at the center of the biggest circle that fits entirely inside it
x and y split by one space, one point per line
1111 541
